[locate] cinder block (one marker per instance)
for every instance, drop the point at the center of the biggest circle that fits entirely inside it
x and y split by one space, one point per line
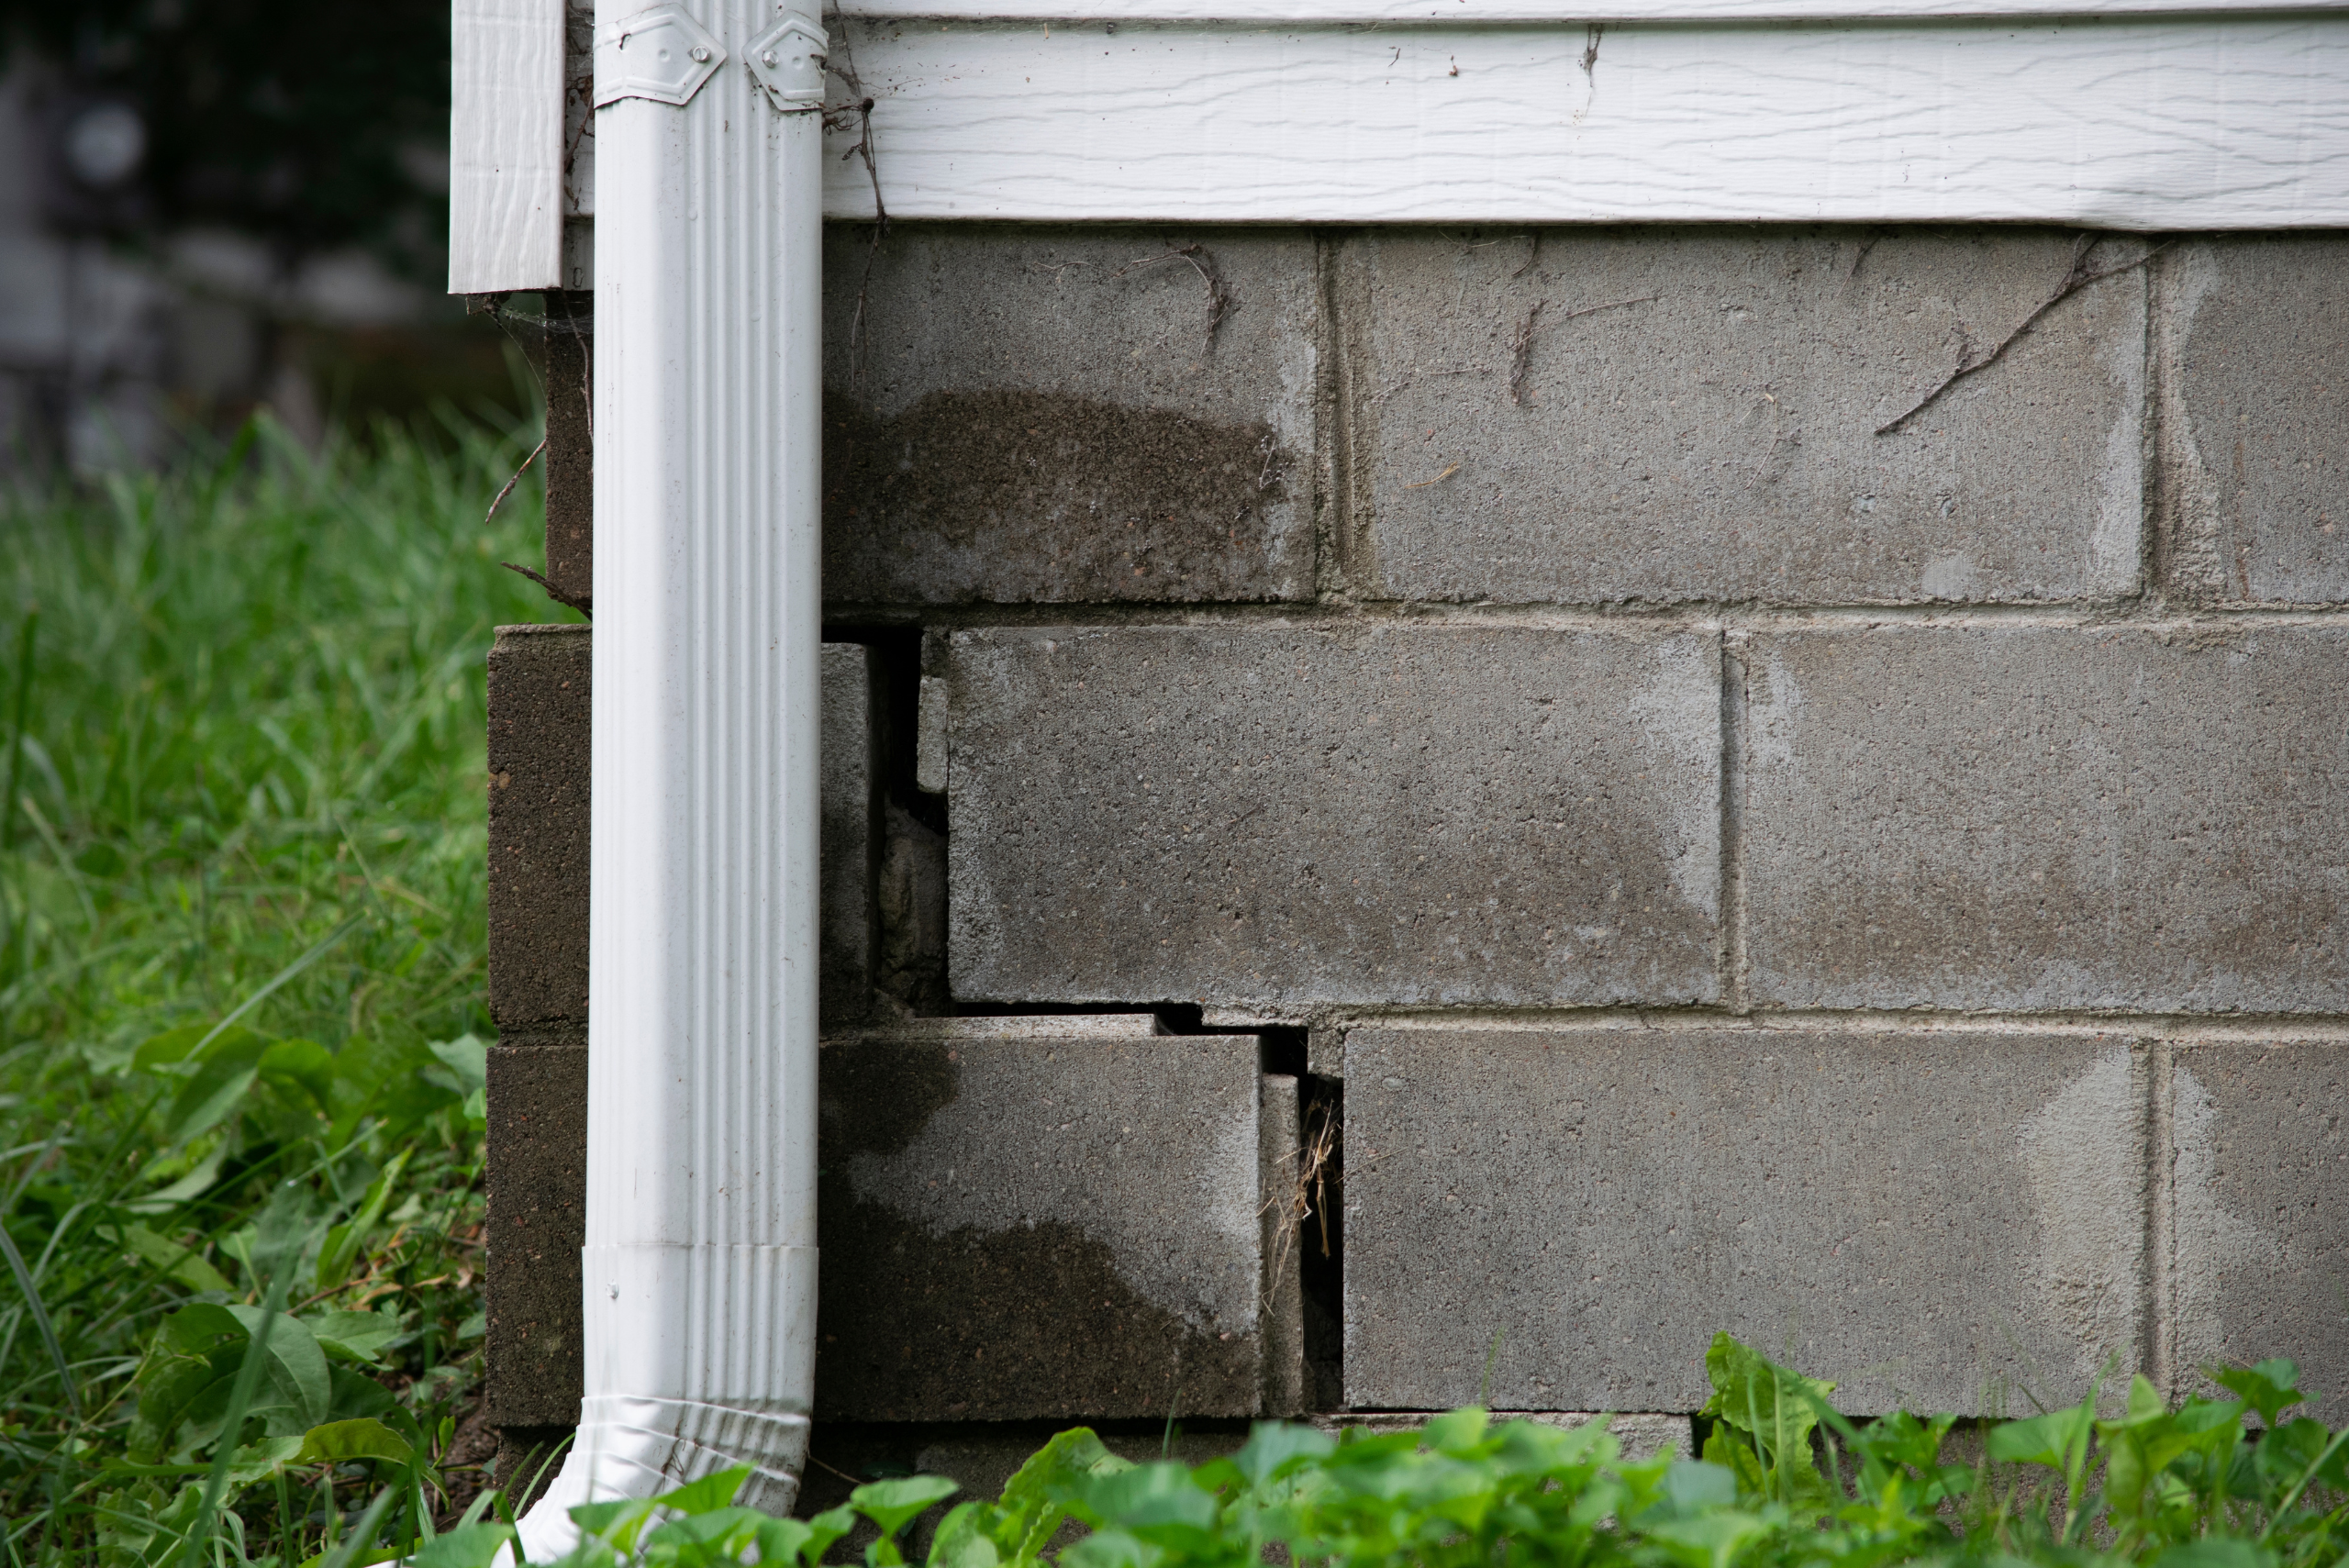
1259 815
539 776
2259 1200
2048 817
1043 1221
1281 1218
536 1164
571 445
537 895
2256 332
1916 1215
851 837
1024 414
1599 414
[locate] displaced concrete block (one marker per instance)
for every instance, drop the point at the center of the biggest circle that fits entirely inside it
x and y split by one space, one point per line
2256 334
1915 1215
537 1163
1039 1219
1596 415
2259 1204
851 837
1281 1218
537 892
1024 414
1256 814
2048 817
538 776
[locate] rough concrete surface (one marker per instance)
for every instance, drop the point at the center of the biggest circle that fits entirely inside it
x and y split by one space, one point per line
536 1162
850 841
2258 1189
536 894
1280 1219
2048 817
570 445
2256 332
1916 1215
1039 1222
1592 415
1242 815
1025 413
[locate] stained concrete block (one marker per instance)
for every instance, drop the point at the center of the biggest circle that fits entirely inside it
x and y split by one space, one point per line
537 1163
850 844
1023 415
2255 331
2258 1181
536 893
1041 1220
1598 415
2048 817
1917 1216
1259 815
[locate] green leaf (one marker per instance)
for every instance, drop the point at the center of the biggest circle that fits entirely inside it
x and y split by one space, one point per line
467 1060
1275 1448
469 1546
2052 1439
707 1494
893 1505
336 1441
1041 1493
343 1242
961 1542
296 1366
822 1530
354 1335
1154 1501
303 1064
177 1262
2216 1552
1708 1540
1112 1548
224 1071
782 1540
2270 1387
1456 1431
199 1179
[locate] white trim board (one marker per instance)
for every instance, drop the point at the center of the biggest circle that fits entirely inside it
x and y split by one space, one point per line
505 145
1302 14
2201 121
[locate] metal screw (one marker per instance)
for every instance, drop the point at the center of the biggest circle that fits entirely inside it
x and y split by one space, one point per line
767 57
699 54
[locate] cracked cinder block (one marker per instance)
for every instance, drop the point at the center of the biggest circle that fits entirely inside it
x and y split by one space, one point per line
1253 815
1692 413
1041 1218
537 872
2255 331
536 1165
1920 1216
1018 415
2028 817
2258 1188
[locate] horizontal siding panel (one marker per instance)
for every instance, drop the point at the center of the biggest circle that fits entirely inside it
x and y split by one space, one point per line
2203 122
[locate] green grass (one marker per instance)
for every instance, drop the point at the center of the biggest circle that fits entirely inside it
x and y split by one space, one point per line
241 989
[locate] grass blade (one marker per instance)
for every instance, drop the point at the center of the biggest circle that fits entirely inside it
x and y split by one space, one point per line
16 728
320 950
41 1319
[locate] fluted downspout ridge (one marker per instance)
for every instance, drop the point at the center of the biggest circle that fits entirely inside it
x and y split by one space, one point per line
699 1271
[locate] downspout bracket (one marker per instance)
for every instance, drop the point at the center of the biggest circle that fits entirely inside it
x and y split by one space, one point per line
788 60
662 54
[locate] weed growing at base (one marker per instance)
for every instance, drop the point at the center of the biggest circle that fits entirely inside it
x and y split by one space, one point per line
240 1017
1785 1482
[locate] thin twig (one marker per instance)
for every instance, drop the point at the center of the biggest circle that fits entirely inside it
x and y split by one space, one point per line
2077 277
557 594
513 482
1220 299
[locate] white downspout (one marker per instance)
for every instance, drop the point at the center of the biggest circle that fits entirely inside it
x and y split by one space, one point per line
700 1262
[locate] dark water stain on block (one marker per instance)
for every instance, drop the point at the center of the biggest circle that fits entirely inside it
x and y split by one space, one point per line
1012 495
